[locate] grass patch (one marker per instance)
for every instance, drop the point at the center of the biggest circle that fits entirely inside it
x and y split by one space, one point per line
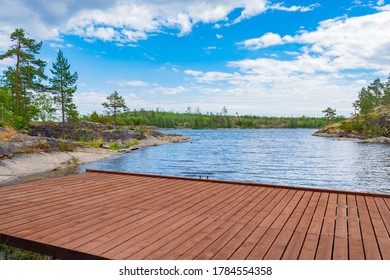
115 146
129 144
12 253
95 143
65 147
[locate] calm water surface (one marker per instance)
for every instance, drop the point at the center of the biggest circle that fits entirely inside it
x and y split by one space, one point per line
275 156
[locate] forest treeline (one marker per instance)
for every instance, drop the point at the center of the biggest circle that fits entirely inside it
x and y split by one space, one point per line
200 121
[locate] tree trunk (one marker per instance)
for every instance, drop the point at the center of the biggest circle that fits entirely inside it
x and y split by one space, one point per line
17 85
63 114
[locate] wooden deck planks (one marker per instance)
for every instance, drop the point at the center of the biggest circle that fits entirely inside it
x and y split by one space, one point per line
309 247
340 250
134 216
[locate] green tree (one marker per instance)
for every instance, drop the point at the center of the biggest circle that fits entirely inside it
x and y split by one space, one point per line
376 89
386 93
5 106
63 85
45 105
329 114
25 78
114 105
365 100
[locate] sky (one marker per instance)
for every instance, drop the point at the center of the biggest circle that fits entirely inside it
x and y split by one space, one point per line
258 57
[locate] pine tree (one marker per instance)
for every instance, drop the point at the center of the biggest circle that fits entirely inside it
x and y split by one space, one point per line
63 85
329 114
25 78
114 105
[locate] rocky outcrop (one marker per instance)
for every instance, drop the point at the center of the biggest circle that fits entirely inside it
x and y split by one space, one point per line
373 127
33 144
83 131
379 140
25 156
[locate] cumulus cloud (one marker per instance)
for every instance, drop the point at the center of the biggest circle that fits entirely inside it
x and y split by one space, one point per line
268 39
340 43
119 21
333 63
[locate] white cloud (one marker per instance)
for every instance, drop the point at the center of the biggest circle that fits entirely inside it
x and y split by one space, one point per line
89 101
340 43
252 8
60 46
281 7
132 83
117 20
383 8
167 90
334 62
218 36
268 39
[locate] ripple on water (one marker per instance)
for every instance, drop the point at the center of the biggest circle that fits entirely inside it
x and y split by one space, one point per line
274 156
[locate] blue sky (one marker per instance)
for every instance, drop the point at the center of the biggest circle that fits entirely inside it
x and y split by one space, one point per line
275 58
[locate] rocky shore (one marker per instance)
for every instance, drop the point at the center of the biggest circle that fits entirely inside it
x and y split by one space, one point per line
26 157
372 127
355 138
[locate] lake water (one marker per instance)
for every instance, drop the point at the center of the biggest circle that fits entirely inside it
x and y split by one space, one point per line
274 156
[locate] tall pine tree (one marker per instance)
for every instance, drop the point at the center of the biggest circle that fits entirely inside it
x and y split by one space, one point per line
63 85
25 78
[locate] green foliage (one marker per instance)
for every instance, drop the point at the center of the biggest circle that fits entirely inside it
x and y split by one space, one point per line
160 119
373 124
115 146
129 144
94 143
100 118
24 79
12 253
329 114
63 85
372 96
114 105
45 106
142 129
6 115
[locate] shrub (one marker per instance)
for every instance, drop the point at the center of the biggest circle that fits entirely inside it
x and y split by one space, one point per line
11 253
128 144
115 146
95 143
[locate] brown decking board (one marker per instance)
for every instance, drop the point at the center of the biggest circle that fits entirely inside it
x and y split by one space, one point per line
114 215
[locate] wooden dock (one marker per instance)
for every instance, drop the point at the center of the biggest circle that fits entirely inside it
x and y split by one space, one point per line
112 215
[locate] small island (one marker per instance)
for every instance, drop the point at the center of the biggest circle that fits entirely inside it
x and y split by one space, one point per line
371 121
